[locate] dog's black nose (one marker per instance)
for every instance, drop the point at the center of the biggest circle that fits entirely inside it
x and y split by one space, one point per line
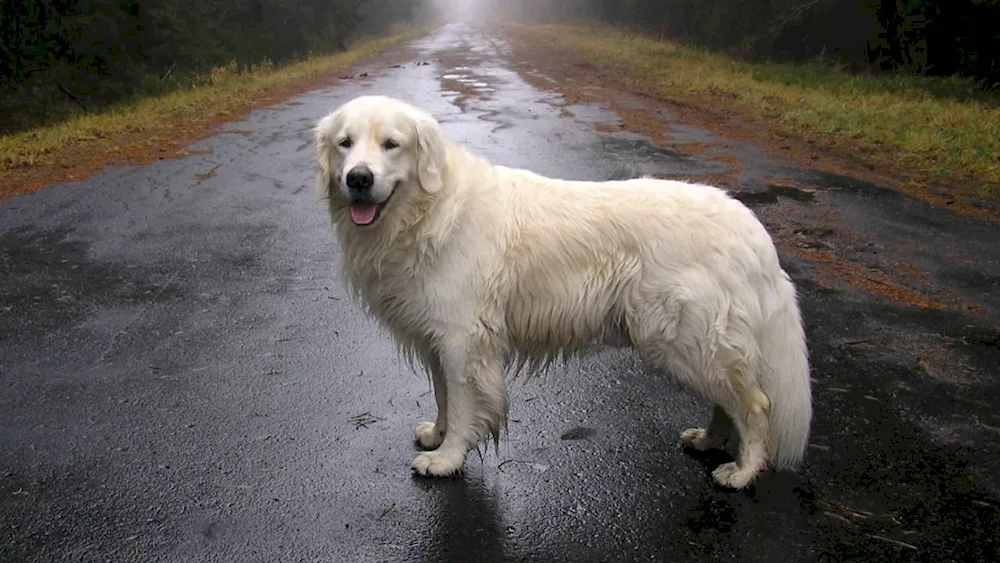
360 178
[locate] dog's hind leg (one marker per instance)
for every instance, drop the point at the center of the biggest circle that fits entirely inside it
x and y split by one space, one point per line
430 434
476 406
723 380
749 409
741 413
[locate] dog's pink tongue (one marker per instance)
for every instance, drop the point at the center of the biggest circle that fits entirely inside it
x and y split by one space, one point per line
363 213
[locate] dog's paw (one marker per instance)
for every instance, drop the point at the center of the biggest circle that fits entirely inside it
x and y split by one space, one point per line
428 436
438 464
697 438
733 476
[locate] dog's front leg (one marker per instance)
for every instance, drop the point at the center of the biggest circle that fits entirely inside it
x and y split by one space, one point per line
430 434
476 405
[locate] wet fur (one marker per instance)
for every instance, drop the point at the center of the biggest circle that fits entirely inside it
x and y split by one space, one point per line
478 270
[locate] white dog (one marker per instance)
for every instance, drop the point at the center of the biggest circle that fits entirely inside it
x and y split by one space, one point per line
480 270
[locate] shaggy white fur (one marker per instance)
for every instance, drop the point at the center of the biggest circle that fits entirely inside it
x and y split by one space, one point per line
478 270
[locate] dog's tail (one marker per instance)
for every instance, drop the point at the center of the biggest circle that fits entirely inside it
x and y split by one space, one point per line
785 379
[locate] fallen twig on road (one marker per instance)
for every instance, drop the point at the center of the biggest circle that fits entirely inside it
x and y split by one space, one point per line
386 511
894 542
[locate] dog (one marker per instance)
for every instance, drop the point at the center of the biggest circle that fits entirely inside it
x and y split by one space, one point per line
480 271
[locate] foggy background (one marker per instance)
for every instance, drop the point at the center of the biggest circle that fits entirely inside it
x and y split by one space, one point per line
63 56
942 37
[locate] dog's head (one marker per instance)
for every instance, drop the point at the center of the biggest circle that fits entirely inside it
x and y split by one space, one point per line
374 152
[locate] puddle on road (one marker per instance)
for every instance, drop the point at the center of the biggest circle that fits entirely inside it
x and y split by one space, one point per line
460 86
630 156
772 193
845 185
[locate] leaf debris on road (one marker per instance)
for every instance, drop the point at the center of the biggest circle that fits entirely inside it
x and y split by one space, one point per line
364 419
578 433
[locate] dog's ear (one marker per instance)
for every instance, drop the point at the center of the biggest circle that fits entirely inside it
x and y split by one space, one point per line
324 155
430 154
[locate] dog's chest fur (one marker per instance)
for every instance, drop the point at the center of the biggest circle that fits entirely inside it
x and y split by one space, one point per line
421 293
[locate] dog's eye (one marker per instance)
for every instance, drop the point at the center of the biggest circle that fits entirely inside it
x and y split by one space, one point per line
346 142
389 144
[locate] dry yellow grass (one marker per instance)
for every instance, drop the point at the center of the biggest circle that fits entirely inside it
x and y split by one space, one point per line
937 126
224 91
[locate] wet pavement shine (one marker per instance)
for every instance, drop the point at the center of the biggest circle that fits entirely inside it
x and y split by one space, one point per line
184 377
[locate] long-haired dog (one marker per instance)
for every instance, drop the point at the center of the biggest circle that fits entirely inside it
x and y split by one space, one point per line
479 270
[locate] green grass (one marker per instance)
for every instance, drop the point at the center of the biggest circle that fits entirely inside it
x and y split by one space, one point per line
944 127
221 92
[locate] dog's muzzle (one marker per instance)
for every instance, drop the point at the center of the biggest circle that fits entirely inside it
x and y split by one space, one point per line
364 208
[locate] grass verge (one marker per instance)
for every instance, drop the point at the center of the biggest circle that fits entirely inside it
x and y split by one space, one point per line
158 127
939 130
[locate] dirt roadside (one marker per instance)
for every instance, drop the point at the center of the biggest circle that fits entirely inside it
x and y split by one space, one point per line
581 81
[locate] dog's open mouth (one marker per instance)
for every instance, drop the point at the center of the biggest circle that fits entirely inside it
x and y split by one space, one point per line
365 213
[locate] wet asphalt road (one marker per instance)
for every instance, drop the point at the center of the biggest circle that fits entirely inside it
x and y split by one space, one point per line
183 378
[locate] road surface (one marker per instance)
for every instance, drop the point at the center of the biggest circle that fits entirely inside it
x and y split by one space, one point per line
185 379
